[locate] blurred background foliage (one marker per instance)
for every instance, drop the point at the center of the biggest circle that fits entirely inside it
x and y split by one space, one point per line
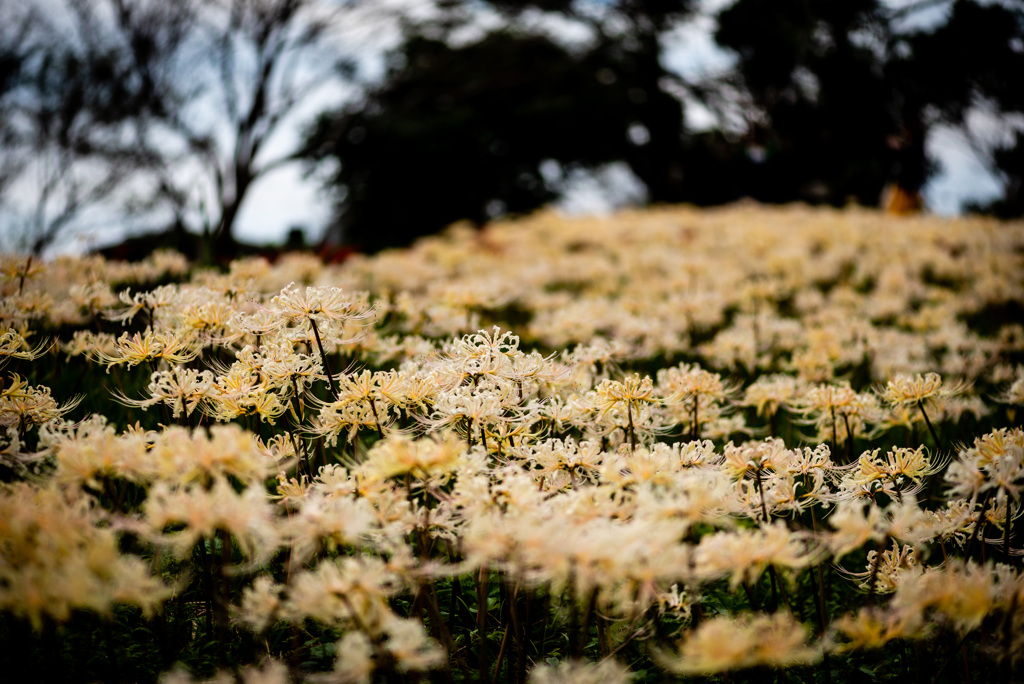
166 111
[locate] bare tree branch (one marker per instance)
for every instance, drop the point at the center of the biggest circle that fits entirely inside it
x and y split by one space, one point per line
168 104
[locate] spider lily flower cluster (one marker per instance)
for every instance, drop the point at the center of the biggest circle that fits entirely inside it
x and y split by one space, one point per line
668 442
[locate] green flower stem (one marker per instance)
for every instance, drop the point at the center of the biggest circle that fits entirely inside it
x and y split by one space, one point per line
323 359
928 422
481 623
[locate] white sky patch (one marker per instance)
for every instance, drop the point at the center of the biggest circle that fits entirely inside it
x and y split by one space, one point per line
600 191
280 201
572 34
690 49
964 155
376 26
921 18
962 178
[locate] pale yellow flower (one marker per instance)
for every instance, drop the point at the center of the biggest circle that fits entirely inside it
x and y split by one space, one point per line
745 554
580 672
855 524
889 570
58 555
318 303
963 593
149 346
14 345
725 643
872 628
181 388
906 389
246 516
769 393
23 406
260 604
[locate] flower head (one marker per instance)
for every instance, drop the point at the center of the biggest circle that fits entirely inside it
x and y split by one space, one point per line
906 389
726 643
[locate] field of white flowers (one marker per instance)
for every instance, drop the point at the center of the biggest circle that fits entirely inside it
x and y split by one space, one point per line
722 445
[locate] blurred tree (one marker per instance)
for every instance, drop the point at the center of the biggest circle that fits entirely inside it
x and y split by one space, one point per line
837 101
61 156
972 62
821 126
158 111
464 131
844 93
1009 159
15 48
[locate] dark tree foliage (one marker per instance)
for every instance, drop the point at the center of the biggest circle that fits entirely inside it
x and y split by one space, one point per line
461 132
14 51
823 122
977 56
1010 161
454 131
844 97
978 53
